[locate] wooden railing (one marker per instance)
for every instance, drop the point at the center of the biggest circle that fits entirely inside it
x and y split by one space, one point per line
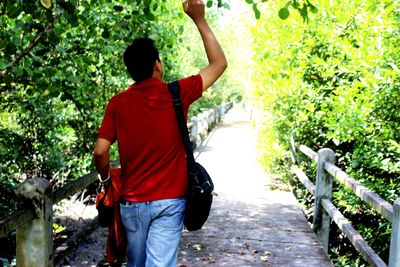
200 125
34 224
325 211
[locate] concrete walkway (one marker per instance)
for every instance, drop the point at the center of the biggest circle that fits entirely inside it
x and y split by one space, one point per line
249 225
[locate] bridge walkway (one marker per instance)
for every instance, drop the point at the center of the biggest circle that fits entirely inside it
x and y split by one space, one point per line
250 224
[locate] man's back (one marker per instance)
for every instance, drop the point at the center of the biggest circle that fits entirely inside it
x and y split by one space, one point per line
152 157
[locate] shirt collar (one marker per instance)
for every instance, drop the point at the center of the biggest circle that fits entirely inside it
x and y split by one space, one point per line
145 83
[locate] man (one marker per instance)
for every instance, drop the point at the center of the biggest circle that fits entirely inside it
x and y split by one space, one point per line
153 165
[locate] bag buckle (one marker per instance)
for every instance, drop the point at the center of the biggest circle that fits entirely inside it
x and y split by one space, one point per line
177 102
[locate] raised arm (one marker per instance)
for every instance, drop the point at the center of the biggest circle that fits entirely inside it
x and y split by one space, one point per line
216 58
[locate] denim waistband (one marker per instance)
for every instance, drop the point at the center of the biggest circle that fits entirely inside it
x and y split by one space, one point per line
128 203
123 202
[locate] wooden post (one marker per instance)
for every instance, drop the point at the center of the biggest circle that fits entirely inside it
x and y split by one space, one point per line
293 155
34 239
206 121
222 110
323 191
216 112
212 117
394 256
201 126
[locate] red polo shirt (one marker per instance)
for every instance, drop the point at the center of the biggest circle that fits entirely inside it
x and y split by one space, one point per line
142 120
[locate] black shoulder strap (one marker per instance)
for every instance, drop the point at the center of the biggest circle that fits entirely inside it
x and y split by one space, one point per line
173 88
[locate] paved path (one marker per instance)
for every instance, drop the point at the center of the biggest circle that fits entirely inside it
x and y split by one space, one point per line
249 225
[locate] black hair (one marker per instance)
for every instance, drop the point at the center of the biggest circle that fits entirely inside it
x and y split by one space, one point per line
140 57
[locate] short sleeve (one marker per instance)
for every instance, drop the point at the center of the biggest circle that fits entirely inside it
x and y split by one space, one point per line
191 89
107 129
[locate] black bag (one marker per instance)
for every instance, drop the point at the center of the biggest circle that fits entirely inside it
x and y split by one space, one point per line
105 213
199 199
201 187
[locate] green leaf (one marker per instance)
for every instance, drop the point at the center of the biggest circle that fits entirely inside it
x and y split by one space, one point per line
8 79
118 8
105 34
3 43
155 6
257 12
13 11
67 6
209 3
249 1
3 64
53 38
146 10
147 3
313 8
284 13
15 40
150 16
296 4
46 3
29 7
288 4
304 13
226 5
73 19
19 72
11 48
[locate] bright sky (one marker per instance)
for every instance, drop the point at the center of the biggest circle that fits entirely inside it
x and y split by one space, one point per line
236 7
238 41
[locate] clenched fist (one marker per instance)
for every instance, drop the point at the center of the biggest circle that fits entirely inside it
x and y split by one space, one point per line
194 9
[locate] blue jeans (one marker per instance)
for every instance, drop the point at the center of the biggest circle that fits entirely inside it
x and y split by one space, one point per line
153 231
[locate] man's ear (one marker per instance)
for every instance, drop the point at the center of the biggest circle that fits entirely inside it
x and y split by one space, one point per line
157 68
158 65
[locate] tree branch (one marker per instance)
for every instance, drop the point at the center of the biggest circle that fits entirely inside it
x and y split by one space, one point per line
28 49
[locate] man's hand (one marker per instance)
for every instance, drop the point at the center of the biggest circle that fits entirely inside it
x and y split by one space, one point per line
194 9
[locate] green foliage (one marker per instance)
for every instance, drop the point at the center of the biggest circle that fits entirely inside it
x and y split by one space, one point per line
220 3
303 7
335 83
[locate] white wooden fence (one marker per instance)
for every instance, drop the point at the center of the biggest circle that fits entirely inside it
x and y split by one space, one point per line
325 211
200 125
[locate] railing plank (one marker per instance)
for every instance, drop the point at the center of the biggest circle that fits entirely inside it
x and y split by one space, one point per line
356 239
17 219
377 203
309 152
72 187
304 179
